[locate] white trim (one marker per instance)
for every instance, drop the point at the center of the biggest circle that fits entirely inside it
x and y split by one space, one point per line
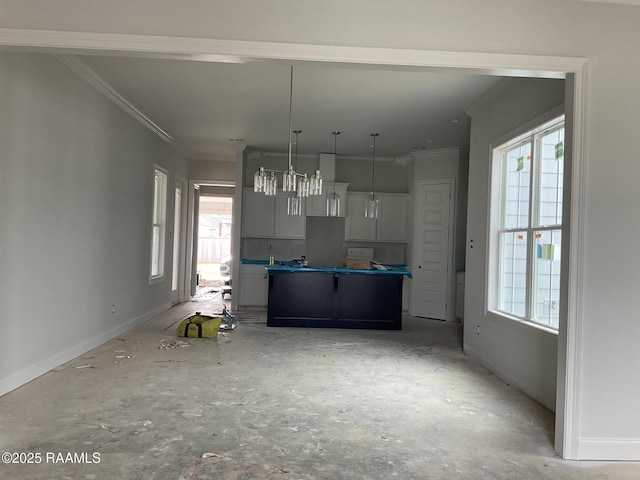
575 288
623 449
182 253
24 376
619 2
518 383
498 89
193 184
470 62
198 49
423 154
87 73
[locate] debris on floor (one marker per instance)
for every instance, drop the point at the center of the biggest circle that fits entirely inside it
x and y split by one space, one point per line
134 427
227 320
211 454
175 343
88 365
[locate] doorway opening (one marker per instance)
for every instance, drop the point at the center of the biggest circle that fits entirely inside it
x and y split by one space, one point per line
210 241
213 267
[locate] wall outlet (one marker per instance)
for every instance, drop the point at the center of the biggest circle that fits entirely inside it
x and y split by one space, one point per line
478 329
113 309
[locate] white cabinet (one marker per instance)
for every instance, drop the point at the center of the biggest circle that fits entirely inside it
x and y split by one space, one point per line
392 217
288 226
258 215
317 205
391 224
252 286
266 217
357 227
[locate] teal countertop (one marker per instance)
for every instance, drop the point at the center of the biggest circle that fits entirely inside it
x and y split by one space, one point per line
293 266
396 270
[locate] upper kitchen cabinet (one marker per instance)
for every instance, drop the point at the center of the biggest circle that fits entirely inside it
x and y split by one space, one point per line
266 217
317 205
391 224
288 226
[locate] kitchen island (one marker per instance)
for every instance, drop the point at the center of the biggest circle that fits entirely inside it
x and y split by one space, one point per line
335 297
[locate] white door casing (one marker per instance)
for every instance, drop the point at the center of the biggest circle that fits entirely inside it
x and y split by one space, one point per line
179 237
432 262
570 349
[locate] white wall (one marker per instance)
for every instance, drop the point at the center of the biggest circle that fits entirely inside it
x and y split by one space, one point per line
76 177
607 35
522 355
221 170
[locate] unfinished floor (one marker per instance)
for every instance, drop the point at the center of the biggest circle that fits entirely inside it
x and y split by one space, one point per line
283 403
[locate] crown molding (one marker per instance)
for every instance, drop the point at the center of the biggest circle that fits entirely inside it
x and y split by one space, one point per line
498 89
83 70
424 154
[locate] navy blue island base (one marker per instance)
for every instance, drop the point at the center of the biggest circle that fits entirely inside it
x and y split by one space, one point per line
334 298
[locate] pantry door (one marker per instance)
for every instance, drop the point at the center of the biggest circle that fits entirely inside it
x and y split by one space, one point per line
432 259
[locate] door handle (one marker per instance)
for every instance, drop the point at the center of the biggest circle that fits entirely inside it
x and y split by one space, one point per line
335 284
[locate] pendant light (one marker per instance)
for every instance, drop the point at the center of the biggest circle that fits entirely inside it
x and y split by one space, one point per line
271 184
294 200
371 207
260 181
265 181
289 176
333 200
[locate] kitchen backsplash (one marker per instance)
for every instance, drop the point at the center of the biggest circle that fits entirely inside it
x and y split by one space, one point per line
324 246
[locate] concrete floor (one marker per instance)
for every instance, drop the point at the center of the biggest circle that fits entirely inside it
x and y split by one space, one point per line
280 403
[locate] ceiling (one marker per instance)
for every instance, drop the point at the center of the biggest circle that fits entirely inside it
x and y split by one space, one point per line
207 108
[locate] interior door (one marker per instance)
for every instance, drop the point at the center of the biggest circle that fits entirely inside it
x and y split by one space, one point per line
432 251
178 247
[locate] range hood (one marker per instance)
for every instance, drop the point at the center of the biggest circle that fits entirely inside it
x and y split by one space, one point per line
327 164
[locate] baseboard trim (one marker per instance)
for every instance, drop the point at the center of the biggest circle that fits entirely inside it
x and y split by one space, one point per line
43 366
609 449
507 378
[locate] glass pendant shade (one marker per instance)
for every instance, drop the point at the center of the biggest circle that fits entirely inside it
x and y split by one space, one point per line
294 204
371 207
271 184
289 180
260 181
304 186
333 205
316 184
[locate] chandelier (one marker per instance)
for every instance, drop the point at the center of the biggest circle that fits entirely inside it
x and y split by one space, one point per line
298 185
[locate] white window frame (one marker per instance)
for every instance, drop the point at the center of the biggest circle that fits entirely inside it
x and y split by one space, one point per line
496 229
158 225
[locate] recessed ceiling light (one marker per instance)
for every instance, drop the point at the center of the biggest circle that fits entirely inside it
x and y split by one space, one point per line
454 120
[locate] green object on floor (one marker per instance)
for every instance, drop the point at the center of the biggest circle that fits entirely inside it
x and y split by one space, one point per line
199 326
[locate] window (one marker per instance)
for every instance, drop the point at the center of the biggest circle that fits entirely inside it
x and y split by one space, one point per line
158 226
526 224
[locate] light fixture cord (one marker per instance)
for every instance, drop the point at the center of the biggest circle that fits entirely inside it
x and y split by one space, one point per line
335 154
373 163
296 132
290 110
